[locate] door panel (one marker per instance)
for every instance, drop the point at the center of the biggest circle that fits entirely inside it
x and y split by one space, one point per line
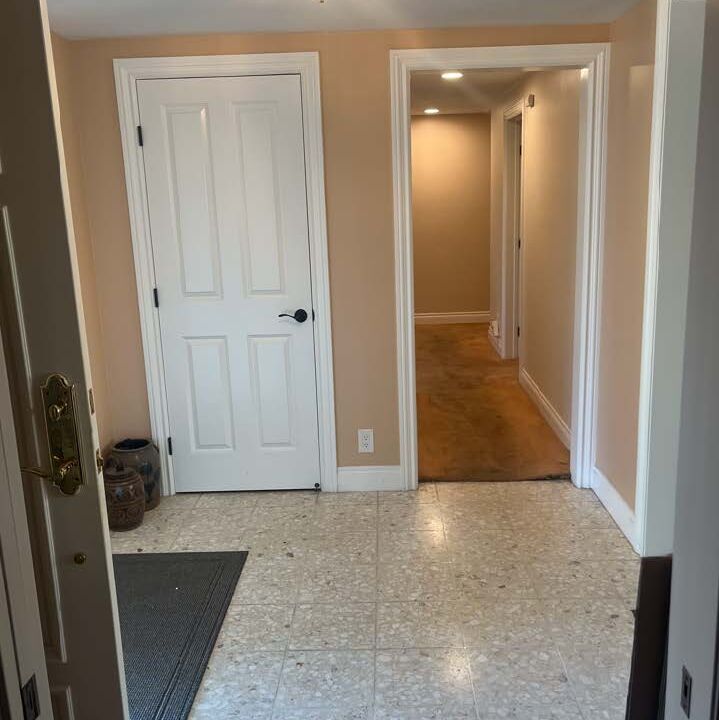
21 646
256 130
271 379
42 298
225 175
193 199
210 411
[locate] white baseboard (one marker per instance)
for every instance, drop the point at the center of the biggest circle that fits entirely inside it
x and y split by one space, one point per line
616 506
548 411
494 342
479 316
369 478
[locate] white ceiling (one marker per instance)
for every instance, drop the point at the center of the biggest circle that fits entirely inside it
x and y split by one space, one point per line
477 91
106 18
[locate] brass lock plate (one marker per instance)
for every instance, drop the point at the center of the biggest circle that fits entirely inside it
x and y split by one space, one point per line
58 397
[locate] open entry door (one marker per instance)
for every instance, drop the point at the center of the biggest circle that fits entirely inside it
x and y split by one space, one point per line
44 336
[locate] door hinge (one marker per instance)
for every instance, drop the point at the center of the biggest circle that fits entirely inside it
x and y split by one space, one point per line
169 446
156 297
313 314
30 701
140 140
517 330
519 243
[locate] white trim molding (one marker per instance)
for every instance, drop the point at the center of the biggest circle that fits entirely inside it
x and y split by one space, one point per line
367 478
616 506
512 215
305 64
675 113
549 412
594 60
494 341
451 318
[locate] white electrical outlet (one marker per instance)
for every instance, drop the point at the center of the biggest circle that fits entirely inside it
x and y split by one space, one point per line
365 441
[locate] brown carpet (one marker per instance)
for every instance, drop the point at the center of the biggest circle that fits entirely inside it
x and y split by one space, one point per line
475 421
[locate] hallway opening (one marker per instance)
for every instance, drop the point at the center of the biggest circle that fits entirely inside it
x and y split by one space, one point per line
496 180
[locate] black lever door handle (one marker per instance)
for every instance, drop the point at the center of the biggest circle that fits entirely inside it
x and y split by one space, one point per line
299 315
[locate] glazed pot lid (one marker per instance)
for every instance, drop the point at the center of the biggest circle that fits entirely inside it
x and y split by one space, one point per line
118 472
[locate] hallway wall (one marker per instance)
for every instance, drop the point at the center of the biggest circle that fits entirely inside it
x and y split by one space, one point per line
625 235
549 235
551 162
450 212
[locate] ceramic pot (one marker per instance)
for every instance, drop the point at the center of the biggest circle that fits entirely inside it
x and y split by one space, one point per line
144 457
125 498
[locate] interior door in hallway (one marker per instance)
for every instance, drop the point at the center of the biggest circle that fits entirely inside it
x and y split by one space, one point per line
225 172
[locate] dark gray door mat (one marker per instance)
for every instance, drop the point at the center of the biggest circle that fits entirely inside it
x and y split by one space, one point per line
171 610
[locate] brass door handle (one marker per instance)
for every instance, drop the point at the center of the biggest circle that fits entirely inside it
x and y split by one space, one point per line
58 399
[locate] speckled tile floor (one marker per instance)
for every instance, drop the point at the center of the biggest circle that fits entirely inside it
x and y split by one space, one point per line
458 601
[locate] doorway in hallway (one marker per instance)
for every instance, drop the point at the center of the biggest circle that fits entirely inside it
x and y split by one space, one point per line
495 180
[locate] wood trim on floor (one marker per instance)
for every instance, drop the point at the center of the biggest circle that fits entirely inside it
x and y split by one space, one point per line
549 412
447 318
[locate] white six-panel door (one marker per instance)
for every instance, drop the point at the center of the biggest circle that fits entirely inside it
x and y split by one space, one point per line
225 174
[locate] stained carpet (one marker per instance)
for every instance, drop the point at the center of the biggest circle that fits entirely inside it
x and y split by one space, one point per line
475 422
171 610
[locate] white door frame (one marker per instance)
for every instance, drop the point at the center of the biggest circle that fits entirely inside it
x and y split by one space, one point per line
305 64
512 212
675 119
594 58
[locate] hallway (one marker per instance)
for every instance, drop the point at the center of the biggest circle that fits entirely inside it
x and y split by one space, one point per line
475 422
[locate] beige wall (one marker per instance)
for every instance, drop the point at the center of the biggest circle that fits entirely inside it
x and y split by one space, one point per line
358 171
549 233
630 112
85 257
450 212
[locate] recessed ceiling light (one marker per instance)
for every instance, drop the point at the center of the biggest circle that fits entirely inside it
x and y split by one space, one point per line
452 75
431 111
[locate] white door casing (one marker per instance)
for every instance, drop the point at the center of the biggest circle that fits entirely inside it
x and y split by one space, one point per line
594 60
224 168
129 72
510 252
41 301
